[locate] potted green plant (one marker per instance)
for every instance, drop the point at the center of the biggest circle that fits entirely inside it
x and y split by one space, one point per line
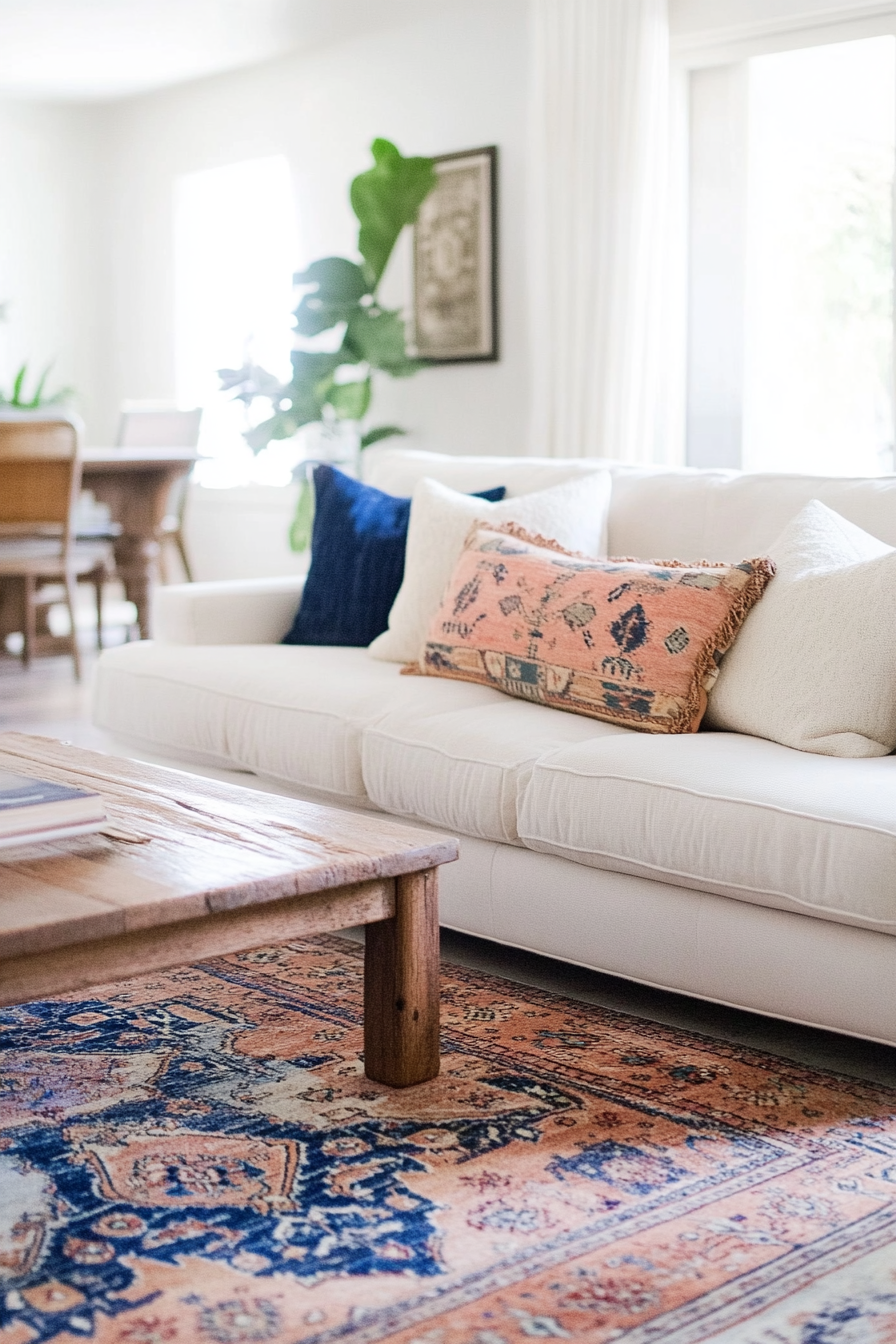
332 388
22 400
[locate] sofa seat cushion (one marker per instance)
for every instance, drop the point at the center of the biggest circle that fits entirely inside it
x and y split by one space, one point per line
465 769
292 713
725 813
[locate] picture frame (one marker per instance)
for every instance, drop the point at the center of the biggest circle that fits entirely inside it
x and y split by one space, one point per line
455 262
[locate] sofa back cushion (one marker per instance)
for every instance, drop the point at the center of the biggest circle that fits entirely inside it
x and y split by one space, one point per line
683 512
398 471
724 515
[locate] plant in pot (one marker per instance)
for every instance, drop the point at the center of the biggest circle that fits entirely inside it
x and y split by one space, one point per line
20 399
333 388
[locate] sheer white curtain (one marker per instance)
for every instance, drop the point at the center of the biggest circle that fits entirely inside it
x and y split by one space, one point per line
599 264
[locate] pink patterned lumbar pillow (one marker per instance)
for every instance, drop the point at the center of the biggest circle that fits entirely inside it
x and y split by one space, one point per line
633 642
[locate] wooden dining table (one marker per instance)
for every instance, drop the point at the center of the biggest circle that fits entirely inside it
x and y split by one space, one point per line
136 485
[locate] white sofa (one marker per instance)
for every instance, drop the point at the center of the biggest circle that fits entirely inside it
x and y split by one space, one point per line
722 866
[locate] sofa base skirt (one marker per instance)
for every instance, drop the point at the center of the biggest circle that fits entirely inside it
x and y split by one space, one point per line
793 967
798 968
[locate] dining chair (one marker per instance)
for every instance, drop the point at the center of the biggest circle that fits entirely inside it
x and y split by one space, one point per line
40 480
165 427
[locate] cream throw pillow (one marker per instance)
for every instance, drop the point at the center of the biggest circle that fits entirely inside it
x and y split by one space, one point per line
814 666
573 514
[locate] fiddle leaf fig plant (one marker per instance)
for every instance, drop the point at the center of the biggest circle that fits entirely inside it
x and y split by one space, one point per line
339 292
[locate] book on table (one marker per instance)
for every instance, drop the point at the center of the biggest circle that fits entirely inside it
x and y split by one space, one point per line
35 809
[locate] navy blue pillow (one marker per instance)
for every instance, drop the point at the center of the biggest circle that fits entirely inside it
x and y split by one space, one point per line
357 561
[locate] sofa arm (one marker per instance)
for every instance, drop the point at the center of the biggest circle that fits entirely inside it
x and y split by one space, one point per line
238 611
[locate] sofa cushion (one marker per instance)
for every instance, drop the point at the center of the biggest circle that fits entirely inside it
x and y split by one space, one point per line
399 470
235 611
293 713
573 514
725 813
723 515
465 769
813 666
692 513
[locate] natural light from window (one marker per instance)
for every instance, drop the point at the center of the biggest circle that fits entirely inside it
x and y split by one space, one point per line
236 248
818 362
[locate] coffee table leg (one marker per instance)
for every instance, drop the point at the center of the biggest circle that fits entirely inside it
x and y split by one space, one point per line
401 986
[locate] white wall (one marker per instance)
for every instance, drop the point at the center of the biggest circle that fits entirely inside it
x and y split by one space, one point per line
445 80
85 193
48 256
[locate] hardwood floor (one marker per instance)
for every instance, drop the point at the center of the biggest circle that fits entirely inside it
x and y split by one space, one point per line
47 692
47 700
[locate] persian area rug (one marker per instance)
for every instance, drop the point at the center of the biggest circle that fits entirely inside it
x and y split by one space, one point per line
198 1157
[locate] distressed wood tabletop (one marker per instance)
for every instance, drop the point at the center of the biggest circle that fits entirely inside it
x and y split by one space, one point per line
177 847
188 868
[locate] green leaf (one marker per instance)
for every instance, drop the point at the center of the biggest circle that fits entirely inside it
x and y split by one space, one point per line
19 399
309 367
280 426
312 382
306 404
249 382
385 199
381 432
230 378
303 518
340 286
383 149
350 400
313 316
39 390
376 335
296 403
338 280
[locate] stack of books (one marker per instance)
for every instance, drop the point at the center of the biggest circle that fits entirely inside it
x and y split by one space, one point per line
32 810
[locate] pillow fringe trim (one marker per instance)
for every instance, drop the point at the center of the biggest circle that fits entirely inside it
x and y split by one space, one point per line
763 571
532 538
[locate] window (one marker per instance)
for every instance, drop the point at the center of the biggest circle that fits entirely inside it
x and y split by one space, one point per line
791 353
235 254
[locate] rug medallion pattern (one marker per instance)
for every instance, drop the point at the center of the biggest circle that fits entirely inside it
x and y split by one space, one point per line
197 1156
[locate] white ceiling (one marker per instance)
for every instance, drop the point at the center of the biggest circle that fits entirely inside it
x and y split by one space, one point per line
89 50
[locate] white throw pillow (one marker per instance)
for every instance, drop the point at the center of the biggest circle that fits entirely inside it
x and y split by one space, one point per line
814 666
574 513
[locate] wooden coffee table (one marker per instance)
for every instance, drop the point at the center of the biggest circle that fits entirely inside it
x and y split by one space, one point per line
188 868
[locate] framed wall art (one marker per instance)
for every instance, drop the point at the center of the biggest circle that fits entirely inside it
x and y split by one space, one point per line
455 262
